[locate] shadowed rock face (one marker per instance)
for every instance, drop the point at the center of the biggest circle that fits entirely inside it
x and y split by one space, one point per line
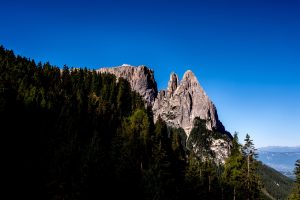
179 104
141 80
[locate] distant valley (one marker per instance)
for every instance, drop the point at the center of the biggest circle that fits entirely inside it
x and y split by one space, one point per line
280 158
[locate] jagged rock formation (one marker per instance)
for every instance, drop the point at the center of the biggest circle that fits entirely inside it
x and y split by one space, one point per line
221 149
179 104
183 101
141 80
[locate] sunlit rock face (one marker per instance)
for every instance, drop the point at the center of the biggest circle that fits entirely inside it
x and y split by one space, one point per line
179 104
183 101
141 79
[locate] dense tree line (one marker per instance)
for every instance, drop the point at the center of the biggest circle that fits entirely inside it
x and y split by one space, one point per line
296 190
274 183
79 134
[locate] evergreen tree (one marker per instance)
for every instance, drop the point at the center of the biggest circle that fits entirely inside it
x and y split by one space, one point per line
252 180
296 191
233 174
83 134
200 139
249 152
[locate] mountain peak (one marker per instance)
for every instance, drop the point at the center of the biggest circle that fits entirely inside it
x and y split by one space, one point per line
173 83
126 65
188 74
183 101
179 104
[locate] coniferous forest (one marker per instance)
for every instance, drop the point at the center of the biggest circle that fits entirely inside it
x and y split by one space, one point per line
77 134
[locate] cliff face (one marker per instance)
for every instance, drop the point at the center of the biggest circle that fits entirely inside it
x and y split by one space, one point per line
183 101
179 104
141 80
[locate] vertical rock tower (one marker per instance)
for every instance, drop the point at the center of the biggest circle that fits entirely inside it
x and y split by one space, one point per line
179 104
183 101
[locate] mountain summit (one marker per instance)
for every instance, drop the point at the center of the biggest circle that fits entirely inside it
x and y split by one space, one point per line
179 104
183 101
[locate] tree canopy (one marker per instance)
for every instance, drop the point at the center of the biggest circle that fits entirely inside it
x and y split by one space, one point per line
79 134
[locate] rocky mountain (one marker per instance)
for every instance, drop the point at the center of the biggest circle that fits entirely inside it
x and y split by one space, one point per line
183 101
141 80
179 104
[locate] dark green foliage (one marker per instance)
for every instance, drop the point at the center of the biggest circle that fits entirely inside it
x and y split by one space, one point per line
200 139
240 173
233 175
297 172
273 182
296 190
209 179
252 179
78 134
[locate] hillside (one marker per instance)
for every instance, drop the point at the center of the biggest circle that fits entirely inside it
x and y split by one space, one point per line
274 183
179 105
79 134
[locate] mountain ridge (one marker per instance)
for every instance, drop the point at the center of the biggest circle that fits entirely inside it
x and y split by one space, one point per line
282 149
89 133
179 104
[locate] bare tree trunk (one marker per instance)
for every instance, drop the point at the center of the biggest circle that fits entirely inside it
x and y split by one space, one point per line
234 193
248 162
209 183
222 193
200 173
248 176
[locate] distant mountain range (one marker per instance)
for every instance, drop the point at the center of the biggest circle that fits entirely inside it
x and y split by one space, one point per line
280 158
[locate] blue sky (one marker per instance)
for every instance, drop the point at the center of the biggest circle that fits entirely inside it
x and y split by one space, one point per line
246 54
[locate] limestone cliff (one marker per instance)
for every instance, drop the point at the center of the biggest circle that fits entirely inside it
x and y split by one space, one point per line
179 104
141 80
183 101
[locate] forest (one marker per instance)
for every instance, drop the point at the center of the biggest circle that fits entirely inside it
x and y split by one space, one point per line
74 133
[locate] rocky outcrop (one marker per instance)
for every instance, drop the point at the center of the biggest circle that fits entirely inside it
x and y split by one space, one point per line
183 101
179 104
173 83
221 149
141 80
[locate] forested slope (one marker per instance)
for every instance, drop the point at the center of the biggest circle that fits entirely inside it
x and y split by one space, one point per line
276 184
78 134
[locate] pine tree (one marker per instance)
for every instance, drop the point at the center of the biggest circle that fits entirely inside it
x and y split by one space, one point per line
249 152
200 139
296 190
93 134
233 174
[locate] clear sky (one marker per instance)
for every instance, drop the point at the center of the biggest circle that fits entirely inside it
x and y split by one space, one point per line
245 53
